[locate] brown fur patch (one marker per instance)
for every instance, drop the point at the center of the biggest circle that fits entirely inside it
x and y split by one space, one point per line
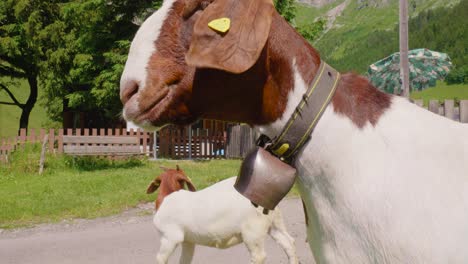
358 100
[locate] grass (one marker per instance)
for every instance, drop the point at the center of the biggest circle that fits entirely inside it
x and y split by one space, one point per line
306 14
87 187
441 92
10 114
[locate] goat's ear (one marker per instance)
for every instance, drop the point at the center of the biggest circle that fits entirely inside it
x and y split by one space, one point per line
240 47
190 186
153 186
184 179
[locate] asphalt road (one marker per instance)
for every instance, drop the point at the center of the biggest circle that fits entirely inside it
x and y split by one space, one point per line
130 238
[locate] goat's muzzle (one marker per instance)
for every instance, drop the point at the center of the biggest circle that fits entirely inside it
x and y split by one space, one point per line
264 179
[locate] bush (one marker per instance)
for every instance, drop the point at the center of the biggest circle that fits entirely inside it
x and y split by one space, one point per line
312 31
458 75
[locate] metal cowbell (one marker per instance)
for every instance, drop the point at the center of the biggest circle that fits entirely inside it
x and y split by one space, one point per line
264 179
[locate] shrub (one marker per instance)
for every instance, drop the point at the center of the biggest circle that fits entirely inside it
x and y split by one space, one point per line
458 75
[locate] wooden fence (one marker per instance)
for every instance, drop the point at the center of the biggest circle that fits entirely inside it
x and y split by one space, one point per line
143 137
172 142
184 143
448 108
10 144
240 140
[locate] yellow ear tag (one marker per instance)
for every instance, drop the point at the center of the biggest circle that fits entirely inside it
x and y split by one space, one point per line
221 24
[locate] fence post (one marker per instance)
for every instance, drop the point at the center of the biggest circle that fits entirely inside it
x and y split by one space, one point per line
2 146
464 111
434 106
419 102
145 142
449 109
155 144
51 140
60 141
32 135
43 151
190 141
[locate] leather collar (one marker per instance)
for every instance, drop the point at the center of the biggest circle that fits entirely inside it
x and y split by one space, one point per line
302 122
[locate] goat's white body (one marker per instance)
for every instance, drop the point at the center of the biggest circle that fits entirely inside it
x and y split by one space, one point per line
396 192
220 217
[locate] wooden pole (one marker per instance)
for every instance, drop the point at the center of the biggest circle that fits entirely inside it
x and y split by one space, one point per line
190 142
44 148
155 144
404 63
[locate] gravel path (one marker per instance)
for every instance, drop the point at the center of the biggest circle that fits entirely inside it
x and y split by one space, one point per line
129 238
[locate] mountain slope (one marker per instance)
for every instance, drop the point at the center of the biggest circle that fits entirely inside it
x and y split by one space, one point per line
355 35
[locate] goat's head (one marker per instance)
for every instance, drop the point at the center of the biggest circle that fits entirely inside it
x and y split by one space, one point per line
179 69
171 180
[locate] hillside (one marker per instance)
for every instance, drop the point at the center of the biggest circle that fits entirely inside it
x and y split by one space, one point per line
363 31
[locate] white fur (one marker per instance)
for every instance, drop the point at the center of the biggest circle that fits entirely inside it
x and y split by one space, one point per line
220 217
393 193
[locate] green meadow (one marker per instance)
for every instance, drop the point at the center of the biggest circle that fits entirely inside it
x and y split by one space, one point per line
88 187
443 91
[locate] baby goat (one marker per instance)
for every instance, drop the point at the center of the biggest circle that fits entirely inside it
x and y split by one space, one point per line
217 216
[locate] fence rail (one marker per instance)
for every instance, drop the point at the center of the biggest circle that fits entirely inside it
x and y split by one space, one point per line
172 142
185 143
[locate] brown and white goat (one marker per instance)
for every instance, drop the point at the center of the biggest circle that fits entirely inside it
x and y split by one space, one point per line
168 182
217 216
383 181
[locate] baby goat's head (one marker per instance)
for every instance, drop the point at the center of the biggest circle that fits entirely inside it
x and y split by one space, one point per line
168 182
178 66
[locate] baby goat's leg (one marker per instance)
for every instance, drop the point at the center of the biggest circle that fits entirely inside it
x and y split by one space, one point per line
187 253
166 249
253 235
257 251
281 236
287 243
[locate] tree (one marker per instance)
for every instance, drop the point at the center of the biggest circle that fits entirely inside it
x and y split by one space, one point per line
287 9
23 25
85 66
312 31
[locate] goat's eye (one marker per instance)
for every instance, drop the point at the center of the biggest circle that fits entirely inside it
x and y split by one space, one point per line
204 4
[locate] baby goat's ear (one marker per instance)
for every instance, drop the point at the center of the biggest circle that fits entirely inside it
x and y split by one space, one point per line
153 186
240 47
184 179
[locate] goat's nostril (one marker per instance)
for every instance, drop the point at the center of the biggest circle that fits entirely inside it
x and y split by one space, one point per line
129 90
